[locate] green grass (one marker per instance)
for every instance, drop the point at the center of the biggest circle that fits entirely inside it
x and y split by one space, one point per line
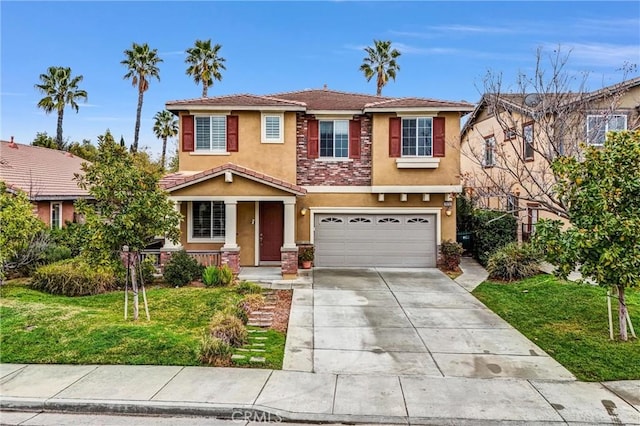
38 327
274 350
569 322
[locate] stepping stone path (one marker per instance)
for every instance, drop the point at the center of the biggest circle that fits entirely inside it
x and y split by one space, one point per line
264 319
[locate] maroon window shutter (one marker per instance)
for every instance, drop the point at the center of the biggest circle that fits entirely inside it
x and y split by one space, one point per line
187 133
354 139
438 136
312 138
395 146
232 133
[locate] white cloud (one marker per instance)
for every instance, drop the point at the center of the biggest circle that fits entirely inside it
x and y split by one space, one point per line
601 54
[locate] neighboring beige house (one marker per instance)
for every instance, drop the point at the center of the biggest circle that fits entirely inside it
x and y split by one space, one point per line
366 180
509 140
46 176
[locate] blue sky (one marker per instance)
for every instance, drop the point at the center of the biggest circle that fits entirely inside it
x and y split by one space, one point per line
447 48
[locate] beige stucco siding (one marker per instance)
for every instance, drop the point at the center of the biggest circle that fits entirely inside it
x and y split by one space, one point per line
362 200
274 159
386 172
239 187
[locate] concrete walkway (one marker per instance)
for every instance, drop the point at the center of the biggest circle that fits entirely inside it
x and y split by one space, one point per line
473 274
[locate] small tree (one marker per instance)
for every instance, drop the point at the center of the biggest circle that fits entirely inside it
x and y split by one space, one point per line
43 140
601 195
21 232
129 208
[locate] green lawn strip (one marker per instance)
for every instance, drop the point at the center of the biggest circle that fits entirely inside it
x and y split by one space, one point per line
41 328
273 350
569 322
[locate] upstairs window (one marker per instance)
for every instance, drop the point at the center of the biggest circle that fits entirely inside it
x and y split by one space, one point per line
272 131
417 137
489 152
211 133
527 141
599 125
334 138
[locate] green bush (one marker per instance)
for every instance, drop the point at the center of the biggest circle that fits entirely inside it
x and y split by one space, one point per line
247 287
181 269
239 312
513 262
211 276
228 328
148 268
226 275
451 253
72 235
74 277
55 253
214 351
491 231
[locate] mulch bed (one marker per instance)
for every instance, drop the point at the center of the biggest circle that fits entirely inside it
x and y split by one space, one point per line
282 309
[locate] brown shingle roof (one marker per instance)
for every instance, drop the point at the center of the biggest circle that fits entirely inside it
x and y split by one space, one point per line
178 180
317 100
43 173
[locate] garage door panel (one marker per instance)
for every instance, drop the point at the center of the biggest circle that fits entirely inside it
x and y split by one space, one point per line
375 240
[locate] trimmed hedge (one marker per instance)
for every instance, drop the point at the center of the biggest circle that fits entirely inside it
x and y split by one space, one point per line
492 230
181 269
74 277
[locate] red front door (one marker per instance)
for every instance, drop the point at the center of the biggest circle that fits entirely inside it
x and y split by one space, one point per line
271 230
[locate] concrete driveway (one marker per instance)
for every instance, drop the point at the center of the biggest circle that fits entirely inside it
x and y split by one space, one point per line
415 321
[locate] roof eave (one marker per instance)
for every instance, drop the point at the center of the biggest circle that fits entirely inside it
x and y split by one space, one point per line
420 109
191 107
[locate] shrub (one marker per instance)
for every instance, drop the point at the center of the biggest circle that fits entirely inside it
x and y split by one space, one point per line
492 230
148 268
513 262
253 301
239 311
181 269
214 351
74 277
306 254
55 253
451 253
226 275
228 328
72 235
247 287
211 276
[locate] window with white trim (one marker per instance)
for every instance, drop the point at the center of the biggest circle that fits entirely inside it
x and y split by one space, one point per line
489 152
272 128
211 133
207 220
334 138
56 215
527 141
417 137
599 125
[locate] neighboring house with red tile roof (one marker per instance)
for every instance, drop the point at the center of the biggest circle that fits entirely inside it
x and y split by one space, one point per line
367 180
46 176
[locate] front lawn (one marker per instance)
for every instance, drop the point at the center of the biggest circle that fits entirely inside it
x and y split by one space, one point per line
569 321
41 328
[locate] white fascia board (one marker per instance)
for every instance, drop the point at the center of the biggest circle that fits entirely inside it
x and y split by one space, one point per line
337 189
419 109
335 112
227 108
412 189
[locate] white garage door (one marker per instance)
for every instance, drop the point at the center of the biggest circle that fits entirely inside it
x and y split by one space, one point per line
375 240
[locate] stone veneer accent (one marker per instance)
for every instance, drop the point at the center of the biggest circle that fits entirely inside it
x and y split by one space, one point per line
355 172
289 261
231 258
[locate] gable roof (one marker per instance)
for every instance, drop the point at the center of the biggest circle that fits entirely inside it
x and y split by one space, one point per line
178 180
518 101
318 100
42 173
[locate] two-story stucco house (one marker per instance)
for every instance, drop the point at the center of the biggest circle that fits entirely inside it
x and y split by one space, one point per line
510 140
366 180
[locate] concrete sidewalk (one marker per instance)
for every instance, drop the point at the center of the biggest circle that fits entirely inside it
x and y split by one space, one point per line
313 397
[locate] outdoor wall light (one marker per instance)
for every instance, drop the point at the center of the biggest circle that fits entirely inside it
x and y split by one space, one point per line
303 211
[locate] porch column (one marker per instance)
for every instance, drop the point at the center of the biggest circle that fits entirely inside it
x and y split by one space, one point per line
169 246
289 224
230 225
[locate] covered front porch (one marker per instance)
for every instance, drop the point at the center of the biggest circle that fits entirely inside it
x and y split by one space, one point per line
246 217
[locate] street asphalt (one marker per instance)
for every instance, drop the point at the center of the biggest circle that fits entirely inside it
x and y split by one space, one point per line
384 346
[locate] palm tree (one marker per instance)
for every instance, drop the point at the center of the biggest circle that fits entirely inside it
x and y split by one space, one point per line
381 61
166 126
141 61
205 64
60 89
